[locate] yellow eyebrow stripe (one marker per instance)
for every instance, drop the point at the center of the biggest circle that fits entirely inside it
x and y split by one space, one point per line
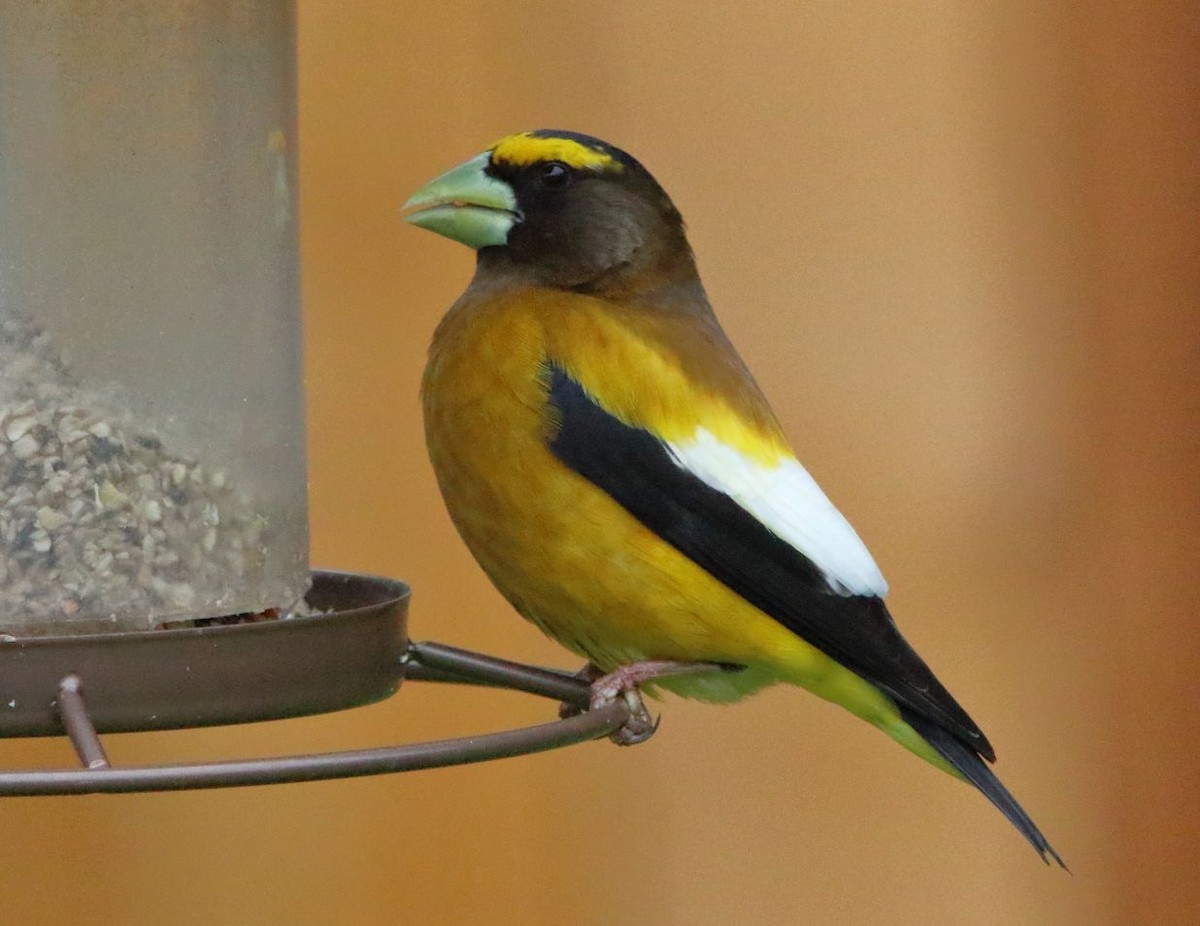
526 148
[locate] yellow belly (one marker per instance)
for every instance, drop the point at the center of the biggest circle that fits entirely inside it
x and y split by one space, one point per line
566 555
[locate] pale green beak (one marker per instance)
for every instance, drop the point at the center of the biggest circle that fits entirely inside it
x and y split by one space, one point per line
467 205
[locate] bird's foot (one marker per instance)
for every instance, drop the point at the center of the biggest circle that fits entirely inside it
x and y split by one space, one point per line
623 683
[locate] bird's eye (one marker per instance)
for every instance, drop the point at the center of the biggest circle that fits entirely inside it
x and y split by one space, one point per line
554 175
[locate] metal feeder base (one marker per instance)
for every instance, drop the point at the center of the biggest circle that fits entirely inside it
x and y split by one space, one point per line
353 655
163 679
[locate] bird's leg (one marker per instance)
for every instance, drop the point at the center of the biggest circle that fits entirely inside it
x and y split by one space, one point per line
623 682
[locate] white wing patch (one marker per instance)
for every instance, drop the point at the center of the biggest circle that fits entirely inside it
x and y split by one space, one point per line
787 501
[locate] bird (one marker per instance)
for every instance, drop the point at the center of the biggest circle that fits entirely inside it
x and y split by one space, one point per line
613 467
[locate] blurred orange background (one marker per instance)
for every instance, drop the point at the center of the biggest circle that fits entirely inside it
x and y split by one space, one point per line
957 242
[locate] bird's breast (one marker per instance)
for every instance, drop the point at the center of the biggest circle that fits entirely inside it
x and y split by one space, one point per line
562 551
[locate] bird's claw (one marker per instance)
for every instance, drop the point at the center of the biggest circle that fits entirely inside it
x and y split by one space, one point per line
607 688
623 682
639 727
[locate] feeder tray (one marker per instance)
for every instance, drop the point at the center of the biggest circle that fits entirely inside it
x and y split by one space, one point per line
354 652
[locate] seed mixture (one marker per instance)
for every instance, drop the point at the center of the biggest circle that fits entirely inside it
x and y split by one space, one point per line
101 523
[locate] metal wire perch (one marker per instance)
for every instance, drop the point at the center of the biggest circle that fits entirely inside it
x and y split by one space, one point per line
429 662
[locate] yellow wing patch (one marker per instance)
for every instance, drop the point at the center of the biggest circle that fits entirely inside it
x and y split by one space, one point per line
526 148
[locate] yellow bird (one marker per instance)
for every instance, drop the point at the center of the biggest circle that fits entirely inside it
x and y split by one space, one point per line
614 468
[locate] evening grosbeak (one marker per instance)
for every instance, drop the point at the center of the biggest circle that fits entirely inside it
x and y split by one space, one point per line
614 468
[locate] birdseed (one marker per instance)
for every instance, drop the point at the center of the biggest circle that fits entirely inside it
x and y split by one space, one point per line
102 525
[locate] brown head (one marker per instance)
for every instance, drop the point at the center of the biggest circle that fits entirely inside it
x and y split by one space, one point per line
560 209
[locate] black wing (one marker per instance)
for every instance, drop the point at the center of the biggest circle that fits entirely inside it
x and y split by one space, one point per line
637 470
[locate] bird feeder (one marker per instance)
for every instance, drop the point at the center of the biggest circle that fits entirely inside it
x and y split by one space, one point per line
153 526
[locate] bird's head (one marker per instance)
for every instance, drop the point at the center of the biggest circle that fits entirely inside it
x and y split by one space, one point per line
559 209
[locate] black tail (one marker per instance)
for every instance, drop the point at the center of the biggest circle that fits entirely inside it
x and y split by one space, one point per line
973 768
